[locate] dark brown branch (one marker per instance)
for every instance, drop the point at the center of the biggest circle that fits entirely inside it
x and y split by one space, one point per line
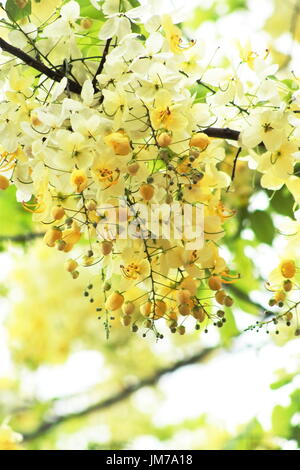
21 238
221 133
121 395
38 65
102 62
234 166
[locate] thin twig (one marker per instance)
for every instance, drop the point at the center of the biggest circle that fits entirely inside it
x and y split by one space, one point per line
38 65
121 395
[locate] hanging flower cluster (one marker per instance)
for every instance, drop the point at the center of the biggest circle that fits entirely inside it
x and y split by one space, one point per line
89 139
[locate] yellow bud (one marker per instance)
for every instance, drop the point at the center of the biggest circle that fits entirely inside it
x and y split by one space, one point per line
220 297
199 140
91 205
86 23
146 308
126 320
79 180
133 168
288 269
58 212
164 139
128 308
199 313
147 191
106 247
51 236
160 309
4 182
114 301
183 296
71 265
184 309
214 283
119 141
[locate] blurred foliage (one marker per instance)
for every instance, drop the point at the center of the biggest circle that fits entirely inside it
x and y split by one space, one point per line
49 320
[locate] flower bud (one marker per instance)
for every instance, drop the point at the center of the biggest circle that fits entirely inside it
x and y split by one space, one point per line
288 269
86 23
128 308
106 247
57 212
71 265
133 168
114 301
51 236
164 139
147 191
146 308
4 182
183 296
215 283
199 140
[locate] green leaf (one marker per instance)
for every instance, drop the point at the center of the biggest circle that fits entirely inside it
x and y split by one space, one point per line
14 12
263 227
282 202
229 330
281 421
14 219
88 11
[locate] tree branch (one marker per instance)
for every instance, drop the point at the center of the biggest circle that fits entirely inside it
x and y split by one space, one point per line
221 133
38 65
21 238
102 62
121 395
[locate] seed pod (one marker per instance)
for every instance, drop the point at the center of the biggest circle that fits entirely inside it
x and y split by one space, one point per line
199 140
52 235
147 191
215 283
199 313
106 247
4 182
160 309
220 297
71 265
287 285
126 320
146 308
128 308
288 269
181 330
228 301
58 212
183 296
133 168
184 309
114 301
164 139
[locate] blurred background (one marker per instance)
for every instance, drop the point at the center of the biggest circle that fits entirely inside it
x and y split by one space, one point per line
64 386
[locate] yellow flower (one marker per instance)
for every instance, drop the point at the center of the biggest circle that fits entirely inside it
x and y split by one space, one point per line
79 180
9 440
166 114
174 36
119 142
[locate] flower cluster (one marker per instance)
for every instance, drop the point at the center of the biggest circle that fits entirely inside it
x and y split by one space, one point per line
128 127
